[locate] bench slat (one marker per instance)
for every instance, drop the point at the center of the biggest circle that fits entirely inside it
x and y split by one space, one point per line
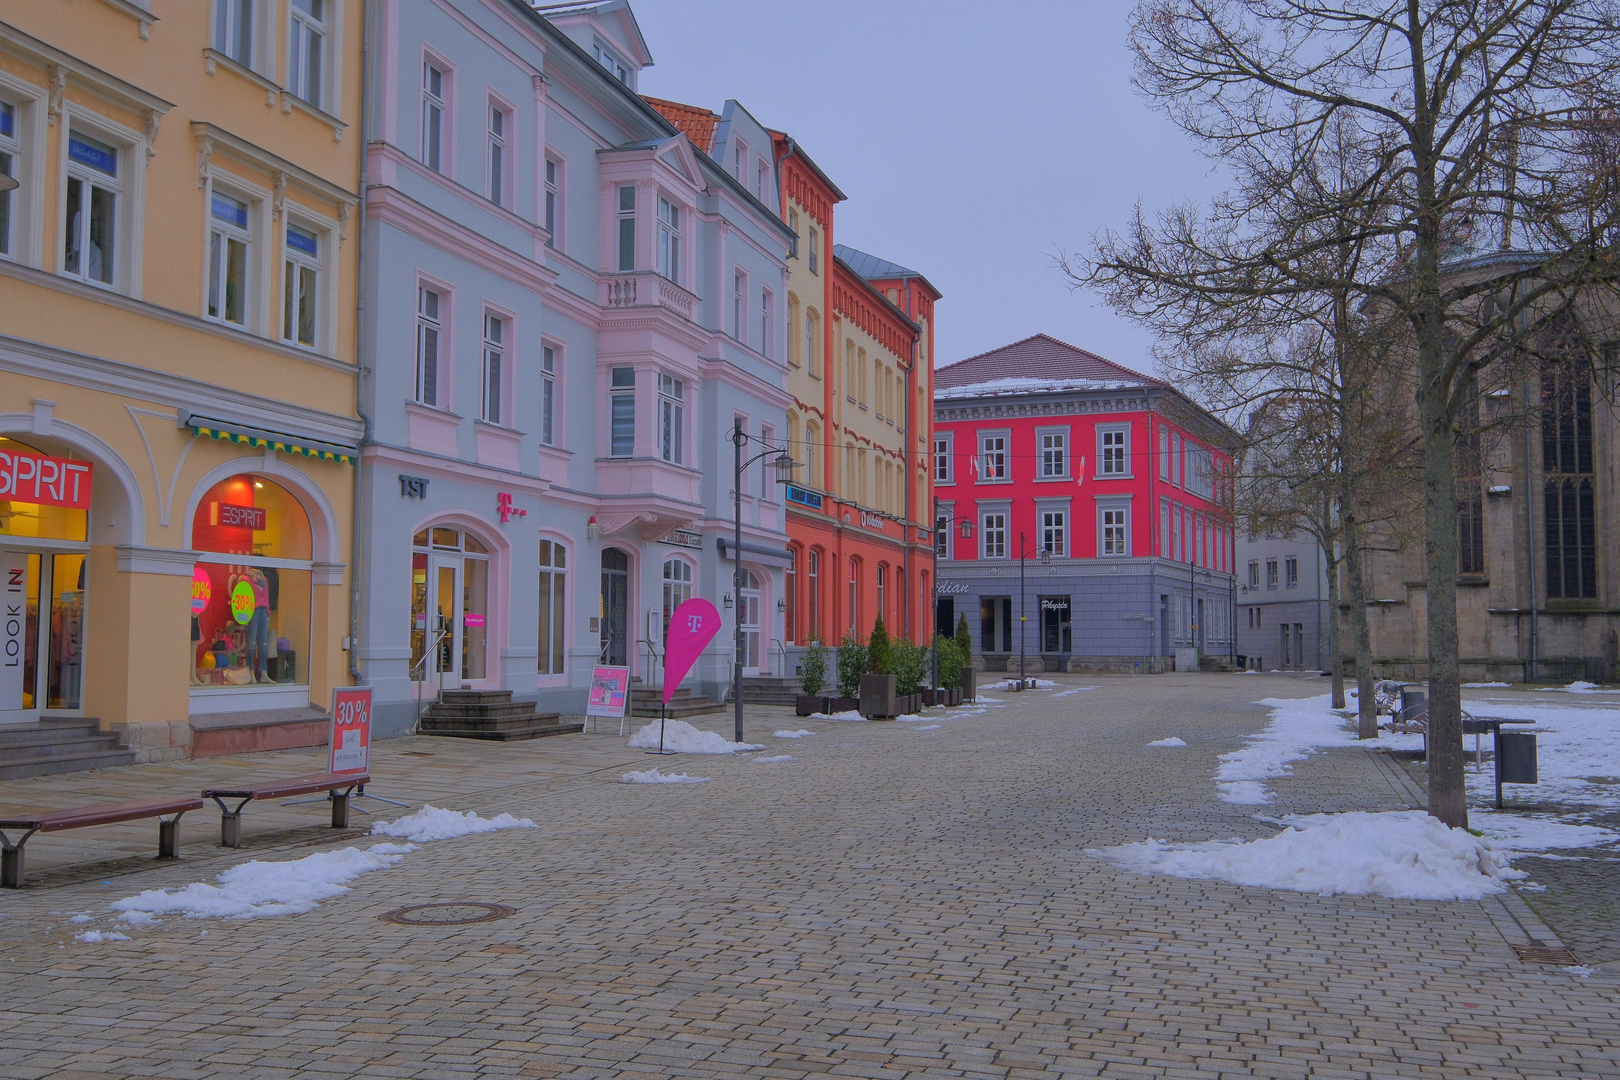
297 785
105 814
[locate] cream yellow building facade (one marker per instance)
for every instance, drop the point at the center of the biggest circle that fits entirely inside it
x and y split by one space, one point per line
178 287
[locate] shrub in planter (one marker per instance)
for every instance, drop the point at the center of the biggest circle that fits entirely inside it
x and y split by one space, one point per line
879 653
851 666
814 669
878 699
910 664
950 661
964 640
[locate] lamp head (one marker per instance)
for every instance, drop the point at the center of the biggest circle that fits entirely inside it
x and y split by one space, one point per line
7 183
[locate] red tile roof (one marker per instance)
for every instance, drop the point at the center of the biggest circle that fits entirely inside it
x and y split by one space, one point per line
1038 357
695 123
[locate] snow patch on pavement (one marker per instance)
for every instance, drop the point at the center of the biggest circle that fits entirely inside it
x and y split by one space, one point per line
849 715
653 776
1171 741
768 760
254 890
927 727
683 738
1402 854
1481 685
1072 690
801 733
910 718
1298 728
96 937
432 823
1581 687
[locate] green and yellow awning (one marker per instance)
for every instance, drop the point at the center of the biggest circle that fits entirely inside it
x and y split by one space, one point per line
245 435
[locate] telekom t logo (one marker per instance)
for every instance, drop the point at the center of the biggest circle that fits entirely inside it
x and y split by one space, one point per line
694 623
504 507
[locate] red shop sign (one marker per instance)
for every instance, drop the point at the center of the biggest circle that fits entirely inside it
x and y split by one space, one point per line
241 517
46 481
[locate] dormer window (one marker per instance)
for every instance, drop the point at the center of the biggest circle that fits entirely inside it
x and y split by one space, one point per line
615 67
669 240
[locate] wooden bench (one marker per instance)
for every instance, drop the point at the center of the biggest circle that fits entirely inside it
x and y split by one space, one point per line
11 869
230 822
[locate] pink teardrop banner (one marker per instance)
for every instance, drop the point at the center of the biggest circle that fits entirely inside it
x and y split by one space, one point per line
691 627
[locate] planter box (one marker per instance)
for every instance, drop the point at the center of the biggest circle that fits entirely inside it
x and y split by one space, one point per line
878 697
805 704
908 704
967 686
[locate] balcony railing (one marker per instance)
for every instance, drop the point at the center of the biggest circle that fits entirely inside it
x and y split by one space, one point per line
644 289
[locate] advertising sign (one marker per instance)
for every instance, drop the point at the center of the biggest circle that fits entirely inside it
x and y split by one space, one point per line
241 517
691 627
349 745
13 626
46 481
202 590
610 692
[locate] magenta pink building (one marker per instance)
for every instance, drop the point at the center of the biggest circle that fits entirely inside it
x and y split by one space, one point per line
1083 512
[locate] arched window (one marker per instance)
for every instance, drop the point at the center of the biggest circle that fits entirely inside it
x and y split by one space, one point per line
790 594
250 587
748 614
854 597
553 606
882 592
677 587
812 594
812 447
449 606
795 349
812 337
793 441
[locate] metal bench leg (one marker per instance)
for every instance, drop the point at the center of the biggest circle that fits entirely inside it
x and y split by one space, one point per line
230 822
169 838
340 810
11 860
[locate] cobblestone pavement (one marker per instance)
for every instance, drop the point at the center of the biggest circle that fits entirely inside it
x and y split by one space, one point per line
892 903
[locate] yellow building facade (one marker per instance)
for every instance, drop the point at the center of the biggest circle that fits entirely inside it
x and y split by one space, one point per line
178 287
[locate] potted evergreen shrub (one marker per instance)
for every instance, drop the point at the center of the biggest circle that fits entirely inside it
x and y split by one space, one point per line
877 685
851 666
813 676
964 645
949 691
910 664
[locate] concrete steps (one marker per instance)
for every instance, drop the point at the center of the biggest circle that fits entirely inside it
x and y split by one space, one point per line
491 715
644 702
770 690
58 745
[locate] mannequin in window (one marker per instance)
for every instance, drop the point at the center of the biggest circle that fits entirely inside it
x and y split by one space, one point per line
258 627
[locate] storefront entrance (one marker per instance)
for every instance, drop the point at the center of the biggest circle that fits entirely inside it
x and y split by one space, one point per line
449 608
615 608
748 615
41 633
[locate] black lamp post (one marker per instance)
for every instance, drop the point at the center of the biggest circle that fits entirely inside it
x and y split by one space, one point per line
784 466
1023 616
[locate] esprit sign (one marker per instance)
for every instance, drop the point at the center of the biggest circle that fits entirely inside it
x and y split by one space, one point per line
240 517
47 481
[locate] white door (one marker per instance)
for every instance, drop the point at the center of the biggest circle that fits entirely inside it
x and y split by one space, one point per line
748 614
444 604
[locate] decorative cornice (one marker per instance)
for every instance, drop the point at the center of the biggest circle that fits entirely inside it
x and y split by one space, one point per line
169 562
392 206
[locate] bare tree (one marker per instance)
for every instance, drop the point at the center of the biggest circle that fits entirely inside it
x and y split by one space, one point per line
1480 123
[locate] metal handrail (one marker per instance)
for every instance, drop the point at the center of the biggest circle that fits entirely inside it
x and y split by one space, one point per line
428 651
654 663
782 649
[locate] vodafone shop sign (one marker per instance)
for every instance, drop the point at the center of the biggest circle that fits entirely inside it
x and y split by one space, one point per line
47 481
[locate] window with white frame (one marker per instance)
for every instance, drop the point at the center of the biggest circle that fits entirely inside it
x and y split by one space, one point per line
671 419
611 62
552 194
739 155
1271 573
627 227
767 467
993 535
233 30
428 328
1165 550
1164 453
1254 573
622 412
1175 459
1054 446
677 587
1054 532
944 470
812 356
435 86
93 190
767 320
815 252
306 43
1291 571
500 125
229 240
739 306
942 531
9 166
1113 531
553 606
1178 548
548 395
494 367
1113 451
882 589
762 172
300 283
669 240
993 457
1200 476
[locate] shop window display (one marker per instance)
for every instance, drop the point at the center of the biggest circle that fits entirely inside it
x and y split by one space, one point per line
250 589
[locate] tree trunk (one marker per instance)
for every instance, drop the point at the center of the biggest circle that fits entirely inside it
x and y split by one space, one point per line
1448 795
1360 631
1334 626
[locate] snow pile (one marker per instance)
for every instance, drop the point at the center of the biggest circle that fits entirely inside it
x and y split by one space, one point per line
1484 685
802 733
257 889
95 937
848 714
768 760
1012 684
1171 741
653 776
81 917
1298 727
1072 690
910 718
982 700
1581 687
683 738
1402 854
927 727
432 823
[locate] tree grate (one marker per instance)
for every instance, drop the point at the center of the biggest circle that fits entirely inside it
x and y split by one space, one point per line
453 913
1545 954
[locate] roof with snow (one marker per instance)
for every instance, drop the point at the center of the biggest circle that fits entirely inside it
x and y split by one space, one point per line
1038 364
873 268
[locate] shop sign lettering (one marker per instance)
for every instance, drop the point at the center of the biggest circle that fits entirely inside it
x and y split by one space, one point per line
13 626
871 521
413 487
797 494
685 539
242 602
241 517
1054 605
349 738
952 588
202 590
45 481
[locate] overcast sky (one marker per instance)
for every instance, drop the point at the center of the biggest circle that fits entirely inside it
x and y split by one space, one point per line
974 140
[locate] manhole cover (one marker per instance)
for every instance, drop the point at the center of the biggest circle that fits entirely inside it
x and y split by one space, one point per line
455 913
1545 954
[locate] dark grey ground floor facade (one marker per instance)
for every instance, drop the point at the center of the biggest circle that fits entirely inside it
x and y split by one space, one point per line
1283 634
1127 615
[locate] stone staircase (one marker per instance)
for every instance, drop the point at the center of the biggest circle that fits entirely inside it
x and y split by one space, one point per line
770 690
644 702
58 745
490 714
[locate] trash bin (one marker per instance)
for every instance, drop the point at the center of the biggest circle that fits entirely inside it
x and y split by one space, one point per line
1516 750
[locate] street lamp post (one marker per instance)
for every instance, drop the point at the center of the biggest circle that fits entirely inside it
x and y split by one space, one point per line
784 466
967 534
1023 614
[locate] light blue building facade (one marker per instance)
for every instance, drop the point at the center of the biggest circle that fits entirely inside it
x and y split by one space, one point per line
567 308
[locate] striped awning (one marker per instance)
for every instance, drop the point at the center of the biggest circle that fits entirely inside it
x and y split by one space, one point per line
246 435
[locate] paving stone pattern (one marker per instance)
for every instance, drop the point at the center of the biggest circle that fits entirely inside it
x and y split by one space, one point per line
891 903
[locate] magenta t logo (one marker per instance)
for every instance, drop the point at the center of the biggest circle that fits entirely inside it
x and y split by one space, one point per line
691 627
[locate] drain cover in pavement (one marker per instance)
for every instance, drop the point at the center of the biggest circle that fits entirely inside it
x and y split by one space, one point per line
1545 954
457 913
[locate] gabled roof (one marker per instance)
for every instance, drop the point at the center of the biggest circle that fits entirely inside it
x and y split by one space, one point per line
697 124
1037 363
873 268
599 9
